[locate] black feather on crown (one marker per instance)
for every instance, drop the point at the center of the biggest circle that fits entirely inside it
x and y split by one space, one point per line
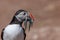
21 10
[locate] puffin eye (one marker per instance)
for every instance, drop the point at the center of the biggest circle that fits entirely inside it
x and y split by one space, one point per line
24 13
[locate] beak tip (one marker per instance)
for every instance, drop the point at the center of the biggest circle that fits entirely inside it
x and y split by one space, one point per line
32 16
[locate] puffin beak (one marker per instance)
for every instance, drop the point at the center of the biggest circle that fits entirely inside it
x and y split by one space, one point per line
31 16
30 20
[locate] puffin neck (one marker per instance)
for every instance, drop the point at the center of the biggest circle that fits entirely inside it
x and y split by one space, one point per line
15 21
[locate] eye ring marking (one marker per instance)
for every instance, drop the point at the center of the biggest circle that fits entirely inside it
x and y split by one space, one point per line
24 13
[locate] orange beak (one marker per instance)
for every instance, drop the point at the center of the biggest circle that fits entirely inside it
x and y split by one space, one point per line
31 16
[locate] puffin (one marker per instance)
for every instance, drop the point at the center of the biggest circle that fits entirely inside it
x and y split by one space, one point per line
14 30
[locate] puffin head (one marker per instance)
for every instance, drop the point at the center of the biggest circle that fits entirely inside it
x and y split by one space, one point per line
24 16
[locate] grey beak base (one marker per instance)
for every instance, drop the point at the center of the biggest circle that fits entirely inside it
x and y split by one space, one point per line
29 25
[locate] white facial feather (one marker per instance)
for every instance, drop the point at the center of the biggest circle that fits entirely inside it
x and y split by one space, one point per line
21 16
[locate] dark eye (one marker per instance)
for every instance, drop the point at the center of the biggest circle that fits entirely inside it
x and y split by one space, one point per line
24 13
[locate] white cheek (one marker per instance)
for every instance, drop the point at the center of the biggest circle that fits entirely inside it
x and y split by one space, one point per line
19 16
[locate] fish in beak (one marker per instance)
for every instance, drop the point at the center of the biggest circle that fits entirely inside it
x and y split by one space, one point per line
29 21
